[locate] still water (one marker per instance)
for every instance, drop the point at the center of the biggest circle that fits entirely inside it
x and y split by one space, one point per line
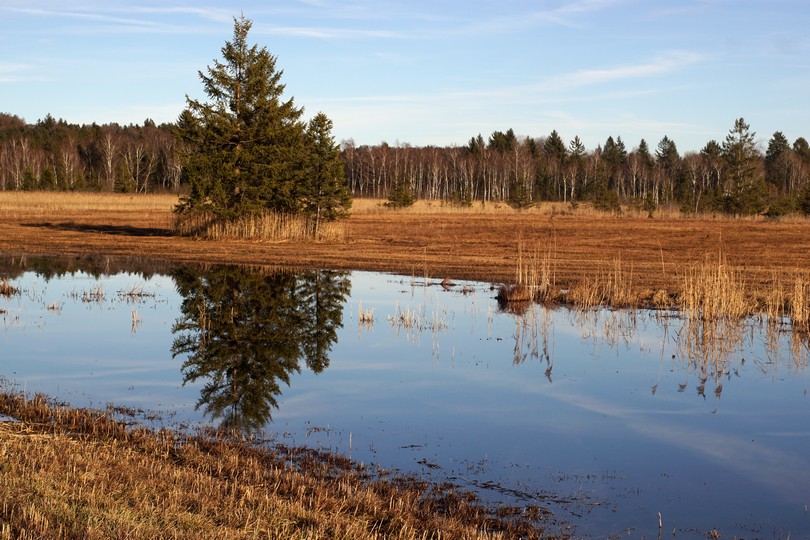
608 418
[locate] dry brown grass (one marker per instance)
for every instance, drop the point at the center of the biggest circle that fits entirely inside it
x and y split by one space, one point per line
712 290
269 227
649 257
16 204
6 289
612 287
799 302
67 473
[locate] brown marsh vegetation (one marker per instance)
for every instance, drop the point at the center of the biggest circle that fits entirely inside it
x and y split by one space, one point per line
70 473
269 226
5 287
640 258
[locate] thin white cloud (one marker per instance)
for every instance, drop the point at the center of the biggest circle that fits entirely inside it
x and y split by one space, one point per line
104 12
569 15
555 89
586 6
658 66
106 19
216 15
328 33
13 72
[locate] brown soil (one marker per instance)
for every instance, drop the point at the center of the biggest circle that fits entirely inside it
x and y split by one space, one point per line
441 243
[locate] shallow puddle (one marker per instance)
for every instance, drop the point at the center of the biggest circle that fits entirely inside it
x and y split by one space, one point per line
608 418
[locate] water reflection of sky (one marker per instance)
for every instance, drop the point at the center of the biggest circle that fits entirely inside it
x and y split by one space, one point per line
606 410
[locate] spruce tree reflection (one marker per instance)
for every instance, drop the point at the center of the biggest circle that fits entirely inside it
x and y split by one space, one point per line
245 332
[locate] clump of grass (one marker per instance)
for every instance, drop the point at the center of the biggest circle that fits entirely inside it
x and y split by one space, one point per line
135 294
418 320
73 473
95 295
713 290
267 226
800 303
614 288
535 279
366 317
6 289
775 303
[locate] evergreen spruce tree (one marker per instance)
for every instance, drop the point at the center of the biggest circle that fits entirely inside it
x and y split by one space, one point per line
667 154
326 195
248 148
778 161
555 147
644 152
744 188
576 149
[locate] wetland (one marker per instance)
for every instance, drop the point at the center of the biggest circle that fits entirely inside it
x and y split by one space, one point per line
616 421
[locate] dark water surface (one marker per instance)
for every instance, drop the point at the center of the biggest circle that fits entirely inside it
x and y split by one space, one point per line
608 418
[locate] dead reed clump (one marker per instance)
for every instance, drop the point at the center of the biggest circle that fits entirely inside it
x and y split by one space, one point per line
366 317
6 289
585 295
613 288
535 280
712 290
619 286
775 302
800 303
267 226
661 299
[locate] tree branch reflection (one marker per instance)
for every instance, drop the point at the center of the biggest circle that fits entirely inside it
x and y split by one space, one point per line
246 331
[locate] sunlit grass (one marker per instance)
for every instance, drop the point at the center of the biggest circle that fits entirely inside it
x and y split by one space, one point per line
268 226
71 473
47 203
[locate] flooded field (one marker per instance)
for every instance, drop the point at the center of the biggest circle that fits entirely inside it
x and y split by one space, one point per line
629 423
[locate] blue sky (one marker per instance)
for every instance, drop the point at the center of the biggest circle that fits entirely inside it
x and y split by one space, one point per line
431 72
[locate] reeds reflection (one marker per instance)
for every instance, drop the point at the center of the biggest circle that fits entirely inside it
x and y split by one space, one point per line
245 331
709 352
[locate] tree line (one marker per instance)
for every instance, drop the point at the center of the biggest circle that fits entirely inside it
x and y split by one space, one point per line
734 175
55 155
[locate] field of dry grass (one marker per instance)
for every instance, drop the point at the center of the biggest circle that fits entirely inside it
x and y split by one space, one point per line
68 473
483 243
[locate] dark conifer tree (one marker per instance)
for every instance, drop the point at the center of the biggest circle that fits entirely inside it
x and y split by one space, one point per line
743 175
248 151
326 195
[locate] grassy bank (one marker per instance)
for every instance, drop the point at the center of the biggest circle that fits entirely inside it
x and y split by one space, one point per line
71 473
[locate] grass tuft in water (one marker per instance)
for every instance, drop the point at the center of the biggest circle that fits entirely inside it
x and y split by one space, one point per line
6 289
